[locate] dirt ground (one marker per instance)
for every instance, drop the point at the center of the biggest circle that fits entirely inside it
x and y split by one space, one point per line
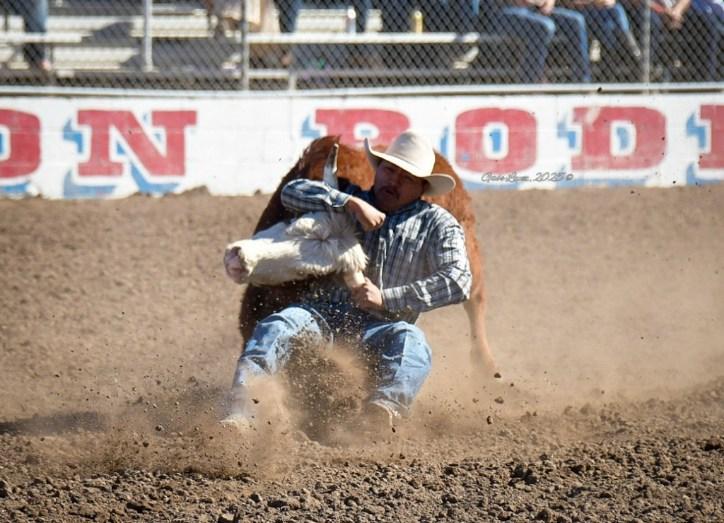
118 340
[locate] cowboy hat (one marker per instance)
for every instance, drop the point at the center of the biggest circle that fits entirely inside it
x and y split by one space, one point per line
412 153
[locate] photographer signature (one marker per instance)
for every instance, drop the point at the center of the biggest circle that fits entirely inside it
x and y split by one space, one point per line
542 176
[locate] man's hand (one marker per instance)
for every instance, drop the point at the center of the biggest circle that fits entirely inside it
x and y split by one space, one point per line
367 296
547 6
369 217
674 18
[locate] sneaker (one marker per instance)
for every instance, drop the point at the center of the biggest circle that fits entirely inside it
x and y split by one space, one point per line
466 59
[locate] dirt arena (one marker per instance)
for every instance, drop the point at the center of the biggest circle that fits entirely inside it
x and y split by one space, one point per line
118 339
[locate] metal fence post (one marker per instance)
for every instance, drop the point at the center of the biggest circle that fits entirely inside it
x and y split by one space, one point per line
646 43
147 37
244 46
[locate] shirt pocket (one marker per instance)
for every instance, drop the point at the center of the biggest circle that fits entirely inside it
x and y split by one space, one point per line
410 245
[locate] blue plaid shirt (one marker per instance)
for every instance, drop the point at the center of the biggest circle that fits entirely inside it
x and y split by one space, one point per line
417 258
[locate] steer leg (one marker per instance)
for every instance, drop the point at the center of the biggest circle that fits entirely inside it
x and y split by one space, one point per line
480 354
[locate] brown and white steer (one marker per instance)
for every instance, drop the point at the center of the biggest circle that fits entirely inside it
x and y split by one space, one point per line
265 297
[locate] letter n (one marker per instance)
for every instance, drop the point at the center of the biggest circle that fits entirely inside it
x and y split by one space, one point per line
171 162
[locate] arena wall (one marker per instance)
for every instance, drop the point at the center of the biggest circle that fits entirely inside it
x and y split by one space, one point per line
109 147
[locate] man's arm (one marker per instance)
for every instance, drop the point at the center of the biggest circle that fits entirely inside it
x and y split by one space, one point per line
450 281
309 195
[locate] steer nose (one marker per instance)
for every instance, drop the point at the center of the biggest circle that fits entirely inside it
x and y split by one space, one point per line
235 265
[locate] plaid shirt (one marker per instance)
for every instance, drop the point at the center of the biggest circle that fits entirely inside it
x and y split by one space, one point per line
417 258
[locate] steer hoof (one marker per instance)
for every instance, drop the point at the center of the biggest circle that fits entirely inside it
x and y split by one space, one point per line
483 364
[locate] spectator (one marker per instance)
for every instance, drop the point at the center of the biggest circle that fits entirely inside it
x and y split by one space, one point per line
687 31
260 15
608 23
35 19
289 10
456 16
710 16
453 16
535 22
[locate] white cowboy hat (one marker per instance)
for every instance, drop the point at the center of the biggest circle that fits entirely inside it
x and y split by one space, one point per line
414 154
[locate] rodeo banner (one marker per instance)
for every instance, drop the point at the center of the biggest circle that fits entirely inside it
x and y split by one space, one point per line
106 147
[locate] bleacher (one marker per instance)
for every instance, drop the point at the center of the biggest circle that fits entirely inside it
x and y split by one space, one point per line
99 43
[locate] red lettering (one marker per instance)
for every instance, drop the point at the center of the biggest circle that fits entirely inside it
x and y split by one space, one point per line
511 146
644 147
158 163
714 159
347 123
23 143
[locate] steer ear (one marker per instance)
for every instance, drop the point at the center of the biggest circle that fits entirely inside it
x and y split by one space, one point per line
330 168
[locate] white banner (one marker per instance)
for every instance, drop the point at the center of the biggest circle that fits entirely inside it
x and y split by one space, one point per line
112 147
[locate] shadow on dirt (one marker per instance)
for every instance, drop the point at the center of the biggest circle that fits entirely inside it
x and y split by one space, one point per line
55 424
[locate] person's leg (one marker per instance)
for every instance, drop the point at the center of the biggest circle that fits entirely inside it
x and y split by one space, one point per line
269 348
403 360
456 16
288 12
610 26
599 23
705 22
536 31
35 20
623 33
361 9
618 19
717 35
466 15
572 26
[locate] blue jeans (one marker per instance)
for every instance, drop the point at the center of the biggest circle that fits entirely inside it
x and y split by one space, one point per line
696 44
607 24
399 350
536 31
289 10
35 19
456 16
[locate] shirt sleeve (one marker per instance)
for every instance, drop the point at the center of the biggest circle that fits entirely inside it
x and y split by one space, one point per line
450 280
304 195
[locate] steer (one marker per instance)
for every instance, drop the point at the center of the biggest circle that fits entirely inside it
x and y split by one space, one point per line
316 244
265 297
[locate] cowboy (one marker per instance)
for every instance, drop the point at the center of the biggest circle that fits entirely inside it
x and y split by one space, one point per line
416 262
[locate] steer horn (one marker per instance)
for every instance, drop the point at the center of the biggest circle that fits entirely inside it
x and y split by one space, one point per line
330 168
